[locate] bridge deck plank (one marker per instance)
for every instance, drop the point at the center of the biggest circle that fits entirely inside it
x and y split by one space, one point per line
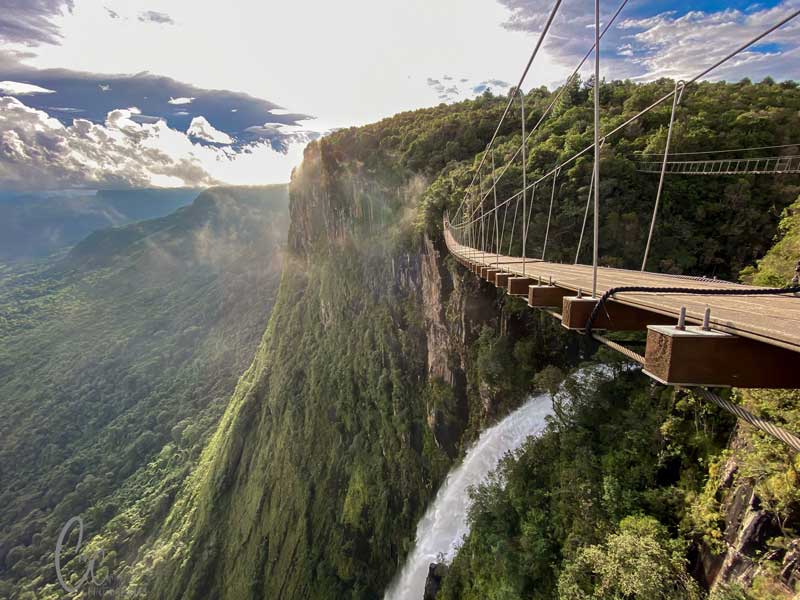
771 319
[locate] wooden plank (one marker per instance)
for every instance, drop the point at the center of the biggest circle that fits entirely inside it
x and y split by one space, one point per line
501 279
696 357
773 320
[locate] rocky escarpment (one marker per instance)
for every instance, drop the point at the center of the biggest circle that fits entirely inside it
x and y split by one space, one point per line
747 551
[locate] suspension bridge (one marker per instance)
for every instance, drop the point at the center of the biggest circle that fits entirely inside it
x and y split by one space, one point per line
697 332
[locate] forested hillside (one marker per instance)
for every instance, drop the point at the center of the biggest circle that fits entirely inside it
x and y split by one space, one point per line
632 489
381 362
34 225
116 362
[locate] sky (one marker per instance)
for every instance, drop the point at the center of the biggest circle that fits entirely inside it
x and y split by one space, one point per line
116 94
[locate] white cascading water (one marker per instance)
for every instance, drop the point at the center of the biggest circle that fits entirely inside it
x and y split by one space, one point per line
444 525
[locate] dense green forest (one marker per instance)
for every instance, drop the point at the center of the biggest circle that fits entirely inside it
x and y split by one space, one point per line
384 359
626 489
116 361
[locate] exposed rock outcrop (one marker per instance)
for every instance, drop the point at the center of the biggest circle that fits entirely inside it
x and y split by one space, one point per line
436 572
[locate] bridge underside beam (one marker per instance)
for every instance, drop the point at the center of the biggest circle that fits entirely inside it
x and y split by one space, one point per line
694 356
613 316
546 296
501 279
518 286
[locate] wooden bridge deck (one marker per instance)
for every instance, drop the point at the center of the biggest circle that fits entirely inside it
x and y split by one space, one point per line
773 320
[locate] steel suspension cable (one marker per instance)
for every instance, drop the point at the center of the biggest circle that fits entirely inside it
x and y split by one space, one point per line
539 43
585 217
676 99
596 244
653 105
562 89
513 227
779 433
549 213
496 222
524 180
530 211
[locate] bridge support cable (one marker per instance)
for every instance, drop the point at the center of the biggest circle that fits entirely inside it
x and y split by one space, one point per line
524 178
585 217
640 289
740 412
496 221
480 195
530 210
619 348
549 213
661 100
513 226
595 250
564 87
536 48
767 427
676 99
503 229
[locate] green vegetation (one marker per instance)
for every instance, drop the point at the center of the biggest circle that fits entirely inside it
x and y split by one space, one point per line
341 430
608 502
116 363
381 361
593 508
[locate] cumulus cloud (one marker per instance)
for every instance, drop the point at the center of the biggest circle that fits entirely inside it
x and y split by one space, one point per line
647 44
152 16
30 22
670 45
15 88
38 151
158 97
448 91
201 129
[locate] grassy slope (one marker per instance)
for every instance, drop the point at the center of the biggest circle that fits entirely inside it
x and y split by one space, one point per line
116 362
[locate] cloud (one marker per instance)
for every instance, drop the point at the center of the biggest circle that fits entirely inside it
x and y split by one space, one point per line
35 147
39 152
111 13
671 45
200 128
158 98
152 16
15 88
30 22
647 44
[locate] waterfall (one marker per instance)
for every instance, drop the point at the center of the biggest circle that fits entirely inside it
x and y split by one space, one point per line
444 525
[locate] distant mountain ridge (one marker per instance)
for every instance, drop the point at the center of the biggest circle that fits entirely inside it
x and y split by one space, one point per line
34 225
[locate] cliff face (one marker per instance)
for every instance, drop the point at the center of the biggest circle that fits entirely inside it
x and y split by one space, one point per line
333 441
363 391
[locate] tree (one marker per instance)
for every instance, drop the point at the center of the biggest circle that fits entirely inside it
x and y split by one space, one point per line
638 562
